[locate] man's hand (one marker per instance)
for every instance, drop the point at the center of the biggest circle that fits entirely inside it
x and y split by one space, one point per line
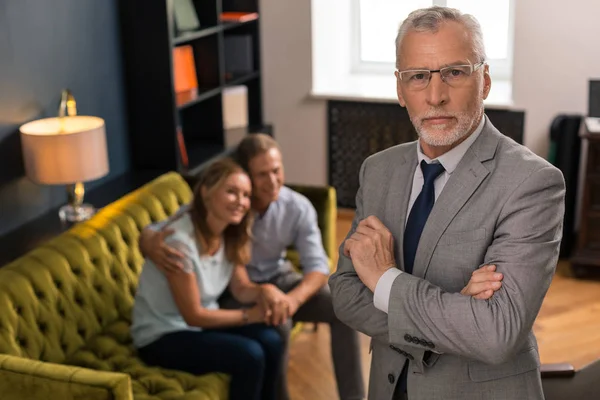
166 258
293 304
277 302
258 314
371 248
483 283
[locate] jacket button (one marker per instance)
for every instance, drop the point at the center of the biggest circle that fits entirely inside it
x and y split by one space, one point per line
431 345
391 378
408 338
410 357
423 343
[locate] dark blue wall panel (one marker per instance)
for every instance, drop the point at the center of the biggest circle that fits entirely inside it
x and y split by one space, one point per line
46 46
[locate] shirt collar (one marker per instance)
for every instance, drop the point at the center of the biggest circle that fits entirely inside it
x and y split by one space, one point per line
451 159
258 216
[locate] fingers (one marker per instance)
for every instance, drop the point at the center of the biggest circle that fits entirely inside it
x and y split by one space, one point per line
484 295
360 234
268 316
276 309
474 289
166 233
172 252
278 314
284 314
485 268
266 310
364 230
169 265
348 246
174 265
351 242
483 283
372 227
373 222
486 276
170 257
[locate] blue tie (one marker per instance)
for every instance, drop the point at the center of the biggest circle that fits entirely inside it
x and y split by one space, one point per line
412 233
419 213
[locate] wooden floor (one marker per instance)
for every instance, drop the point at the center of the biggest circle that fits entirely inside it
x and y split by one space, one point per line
567 329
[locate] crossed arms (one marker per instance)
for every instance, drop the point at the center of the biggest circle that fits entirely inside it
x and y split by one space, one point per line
524 248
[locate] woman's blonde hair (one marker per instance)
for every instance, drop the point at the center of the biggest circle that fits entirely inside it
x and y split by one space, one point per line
236 237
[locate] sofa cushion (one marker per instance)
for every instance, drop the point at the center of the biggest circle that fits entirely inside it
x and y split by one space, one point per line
112 351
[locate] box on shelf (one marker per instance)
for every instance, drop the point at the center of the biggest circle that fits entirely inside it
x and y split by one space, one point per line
235 107
184 70
239 59
185 16
231 16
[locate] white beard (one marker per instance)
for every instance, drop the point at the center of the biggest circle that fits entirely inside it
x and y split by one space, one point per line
441 135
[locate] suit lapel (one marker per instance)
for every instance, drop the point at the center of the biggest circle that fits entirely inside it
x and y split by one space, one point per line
463 182
400 186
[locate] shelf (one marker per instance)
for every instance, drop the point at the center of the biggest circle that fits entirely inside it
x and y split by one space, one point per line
187 99
240 79
191 36
232 25
188 37
216 46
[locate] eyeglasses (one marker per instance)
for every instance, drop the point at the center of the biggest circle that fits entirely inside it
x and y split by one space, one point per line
454 76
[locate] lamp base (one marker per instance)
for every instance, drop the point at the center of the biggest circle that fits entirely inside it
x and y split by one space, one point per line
68 213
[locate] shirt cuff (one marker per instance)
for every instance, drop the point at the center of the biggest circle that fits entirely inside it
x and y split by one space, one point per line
383 289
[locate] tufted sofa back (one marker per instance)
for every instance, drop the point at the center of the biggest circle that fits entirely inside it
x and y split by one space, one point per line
58 296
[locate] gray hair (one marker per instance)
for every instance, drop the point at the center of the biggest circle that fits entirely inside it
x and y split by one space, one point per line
429 20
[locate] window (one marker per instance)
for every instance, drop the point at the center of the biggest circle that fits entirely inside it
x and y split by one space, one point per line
376 24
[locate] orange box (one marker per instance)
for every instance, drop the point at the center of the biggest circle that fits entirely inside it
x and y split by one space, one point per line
231 16
184 69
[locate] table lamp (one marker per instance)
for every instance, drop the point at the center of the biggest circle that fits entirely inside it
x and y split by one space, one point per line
66 150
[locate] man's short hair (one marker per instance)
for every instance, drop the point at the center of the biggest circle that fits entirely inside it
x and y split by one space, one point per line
253 145
429 20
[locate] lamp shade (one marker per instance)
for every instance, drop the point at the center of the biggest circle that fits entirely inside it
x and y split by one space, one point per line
67 150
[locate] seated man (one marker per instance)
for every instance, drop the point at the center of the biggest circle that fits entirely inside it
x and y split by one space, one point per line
283 217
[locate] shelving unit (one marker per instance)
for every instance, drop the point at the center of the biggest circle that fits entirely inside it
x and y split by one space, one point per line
155 111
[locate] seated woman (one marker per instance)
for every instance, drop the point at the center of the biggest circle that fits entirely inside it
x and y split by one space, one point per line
177 322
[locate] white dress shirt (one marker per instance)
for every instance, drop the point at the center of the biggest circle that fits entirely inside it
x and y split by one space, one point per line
449 161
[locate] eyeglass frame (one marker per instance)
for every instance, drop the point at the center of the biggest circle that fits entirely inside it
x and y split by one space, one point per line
474 67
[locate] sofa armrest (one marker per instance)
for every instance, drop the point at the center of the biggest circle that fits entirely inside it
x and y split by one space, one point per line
22 378
560 370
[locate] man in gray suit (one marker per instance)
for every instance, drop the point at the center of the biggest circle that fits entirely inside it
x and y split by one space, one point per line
430 213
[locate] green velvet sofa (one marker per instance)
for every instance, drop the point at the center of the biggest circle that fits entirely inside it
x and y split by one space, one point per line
65 307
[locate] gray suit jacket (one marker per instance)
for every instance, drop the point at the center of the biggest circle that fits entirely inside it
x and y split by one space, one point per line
502 205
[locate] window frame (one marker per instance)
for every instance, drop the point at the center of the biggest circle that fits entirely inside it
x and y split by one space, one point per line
499 68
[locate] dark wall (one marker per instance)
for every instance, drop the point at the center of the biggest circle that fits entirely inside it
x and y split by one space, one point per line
358 129
46 46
